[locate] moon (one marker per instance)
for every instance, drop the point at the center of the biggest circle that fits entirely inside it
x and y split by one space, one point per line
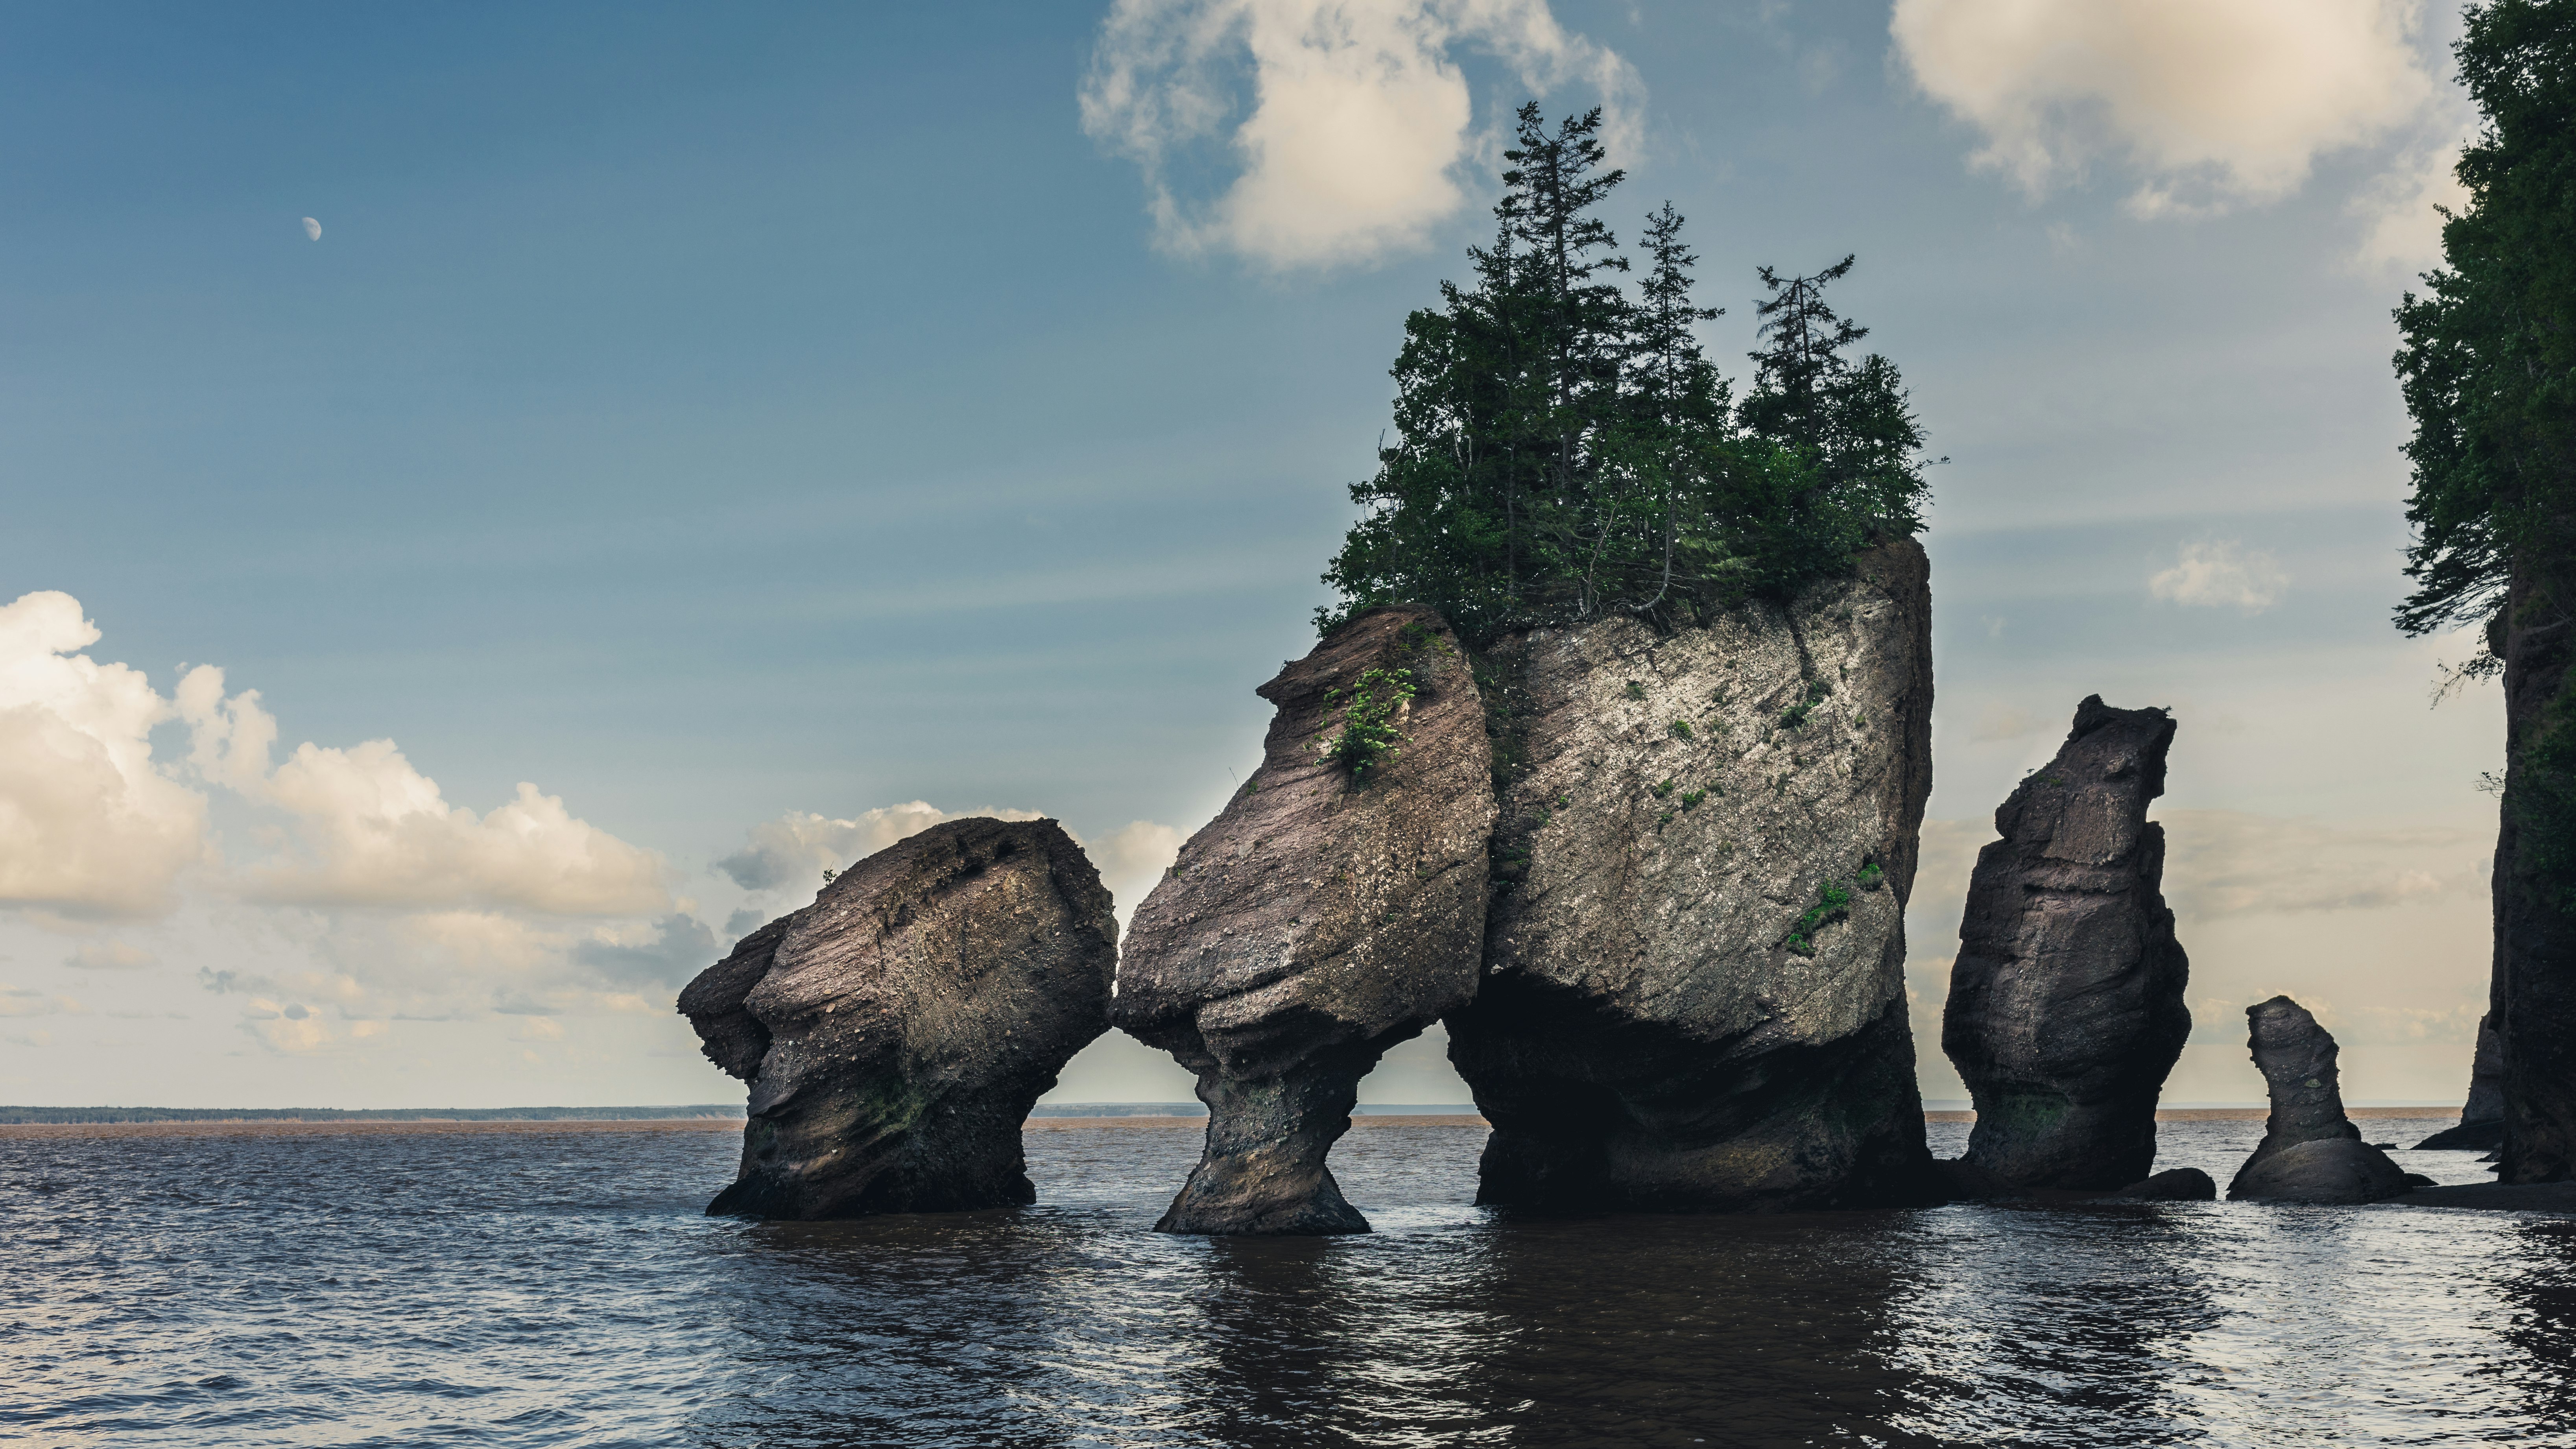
312 228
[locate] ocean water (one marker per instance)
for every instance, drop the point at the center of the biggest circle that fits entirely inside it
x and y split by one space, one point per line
561 1288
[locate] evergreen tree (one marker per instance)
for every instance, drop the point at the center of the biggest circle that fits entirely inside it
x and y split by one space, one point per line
1562 450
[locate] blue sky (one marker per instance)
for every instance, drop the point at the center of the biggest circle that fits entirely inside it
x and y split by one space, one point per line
735 423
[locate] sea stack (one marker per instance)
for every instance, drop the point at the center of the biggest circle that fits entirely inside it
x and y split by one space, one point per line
897 1031
1694 995
2532 994
2310 1151
2481 1126
2066 1006
1333 909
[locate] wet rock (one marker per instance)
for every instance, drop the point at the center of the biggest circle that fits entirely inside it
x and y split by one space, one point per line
2321 1170
2310 1150
1694 995
2174 1184
896 1032
2482 1119
1329 912
2066 1002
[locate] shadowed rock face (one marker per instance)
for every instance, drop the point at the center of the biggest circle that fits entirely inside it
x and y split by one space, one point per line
1321 918
896 1032
2066 1002
2482 1119
2174 1184
1694 995
2310 1150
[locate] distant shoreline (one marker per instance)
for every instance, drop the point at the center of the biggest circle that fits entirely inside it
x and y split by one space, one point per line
213 1123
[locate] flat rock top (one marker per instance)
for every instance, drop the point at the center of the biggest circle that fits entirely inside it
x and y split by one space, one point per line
1691 797
1353 887
2087 807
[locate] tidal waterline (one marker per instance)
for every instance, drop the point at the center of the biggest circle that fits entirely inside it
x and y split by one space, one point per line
561 1287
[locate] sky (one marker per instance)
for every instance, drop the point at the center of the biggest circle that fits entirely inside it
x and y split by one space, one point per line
500 498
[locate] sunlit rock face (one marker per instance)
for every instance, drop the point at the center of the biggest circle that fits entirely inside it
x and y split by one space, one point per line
896 1032
1328 913
2310 1150
2066 1007
1694 994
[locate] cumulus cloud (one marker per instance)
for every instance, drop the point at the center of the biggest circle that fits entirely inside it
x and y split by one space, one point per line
2221 573
89 826
2402 210
797 847
1131 858
110 956
369 829
2216 102
1348 122
677 948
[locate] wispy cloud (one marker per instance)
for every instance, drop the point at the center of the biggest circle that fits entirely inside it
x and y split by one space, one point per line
2221 574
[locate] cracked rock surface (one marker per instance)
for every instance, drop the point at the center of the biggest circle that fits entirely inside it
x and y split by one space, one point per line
1694 995
2066 1007
896 1032
1320 919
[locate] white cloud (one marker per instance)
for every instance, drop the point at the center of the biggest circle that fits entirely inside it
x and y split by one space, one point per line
1357 122
110 956
369 829
2216 102
2221 573
2404 231
89 827
2225 863
1131 858
19 1001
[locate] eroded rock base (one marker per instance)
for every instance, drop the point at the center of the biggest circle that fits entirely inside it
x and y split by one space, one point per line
1262 1171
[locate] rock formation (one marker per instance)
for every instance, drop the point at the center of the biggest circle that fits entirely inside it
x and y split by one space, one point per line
897 1031
2481 1126
1334 908
1694 993
2310 1151
2066 1003
2532 998
2174 1184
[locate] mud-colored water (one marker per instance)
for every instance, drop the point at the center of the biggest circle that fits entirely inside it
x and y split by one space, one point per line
561 1288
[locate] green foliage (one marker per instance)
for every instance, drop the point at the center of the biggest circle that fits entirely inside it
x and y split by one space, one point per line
1693 797
1563 449
1662 790
1796 715
1871 876
1635 690
1369 737
1833 902
1681 729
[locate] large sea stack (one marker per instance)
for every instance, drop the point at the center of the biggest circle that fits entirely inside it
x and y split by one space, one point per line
897 1031
1694 994
2310 1150
1333 909
2532 998
2066 1003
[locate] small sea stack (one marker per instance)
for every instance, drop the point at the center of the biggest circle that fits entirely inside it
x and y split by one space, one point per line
896 1032
2310 1150
2066 1006
1333 909
2481 1126
1694 996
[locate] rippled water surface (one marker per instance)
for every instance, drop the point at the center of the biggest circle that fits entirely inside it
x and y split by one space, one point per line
561 1288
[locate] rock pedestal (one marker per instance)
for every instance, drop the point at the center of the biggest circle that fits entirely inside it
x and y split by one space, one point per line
2066 1003
896 1032
1333 909
1694 994
2310 1150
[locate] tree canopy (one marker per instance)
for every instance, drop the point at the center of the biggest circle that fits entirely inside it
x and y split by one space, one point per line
2488 361
1563 448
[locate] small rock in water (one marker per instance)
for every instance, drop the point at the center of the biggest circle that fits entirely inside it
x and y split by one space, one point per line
2174 1184
2310 1151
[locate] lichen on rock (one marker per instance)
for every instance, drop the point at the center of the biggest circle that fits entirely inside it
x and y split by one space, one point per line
896 1032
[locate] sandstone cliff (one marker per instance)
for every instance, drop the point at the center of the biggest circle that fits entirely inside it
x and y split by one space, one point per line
2066 1002
1334 908
1694 994
897 1031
